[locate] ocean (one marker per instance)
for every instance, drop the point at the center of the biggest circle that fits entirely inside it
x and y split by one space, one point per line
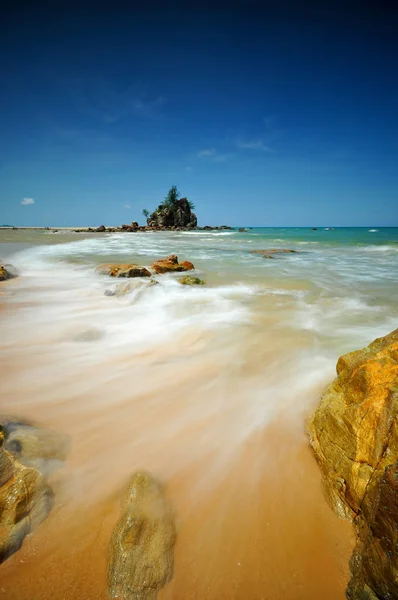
207 387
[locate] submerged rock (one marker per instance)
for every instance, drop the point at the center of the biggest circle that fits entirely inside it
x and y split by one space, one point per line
189 280
171 264
140 554
354 435
34 446
128 287
123 270
272 252
25 501
7 272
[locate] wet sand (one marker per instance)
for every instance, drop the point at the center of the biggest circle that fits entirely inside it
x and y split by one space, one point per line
268 536
251 518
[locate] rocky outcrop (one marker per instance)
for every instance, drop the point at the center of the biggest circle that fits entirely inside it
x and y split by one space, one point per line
171 265
178 214
123 270
374 563
25 501
354 434
189 280
216 228
140 554
272 252
7 272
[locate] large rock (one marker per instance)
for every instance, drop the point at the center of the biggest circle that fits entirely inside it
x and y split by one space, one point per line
140 554
354 431
178 214
25 501
354 434
171 264
123 270
374 563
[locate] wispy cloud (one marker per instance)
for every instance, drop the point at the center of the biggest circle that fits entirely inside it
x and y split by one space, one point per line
206 153
27 201
213 155
127 206
100 100
253 145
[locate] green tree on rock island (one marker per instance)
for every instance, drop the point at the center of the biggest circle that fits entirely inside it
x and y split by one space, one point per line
174 212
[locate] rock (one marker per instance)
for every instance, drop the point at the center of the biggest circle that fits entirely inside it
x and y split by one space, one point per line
7 272
187 265
178 214
374 563
34 446
189 280
354 435
213 228
270 253
100 229
314 229
354 431
135 224
171 264
137 286
25 501
140 554
130 270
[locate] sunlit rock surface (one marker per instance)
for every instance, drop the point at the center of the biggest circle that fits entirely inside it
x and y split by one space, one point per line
354 434
126 270
171 264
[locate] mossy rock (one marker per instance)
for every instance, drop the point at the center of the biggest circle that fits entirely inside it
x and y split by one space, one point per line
189 280
141 549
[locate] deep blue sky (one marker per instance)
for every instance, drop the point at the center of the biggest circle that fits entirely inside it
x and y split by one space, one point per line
262 114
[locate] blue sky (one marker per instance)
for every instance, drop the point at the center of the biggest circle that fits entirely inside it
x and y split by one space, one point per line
261 114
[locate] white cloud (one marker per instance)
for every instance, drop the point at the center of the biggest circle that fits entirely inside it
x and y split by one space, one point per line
213 155
254 145
207 153
27 201
127 206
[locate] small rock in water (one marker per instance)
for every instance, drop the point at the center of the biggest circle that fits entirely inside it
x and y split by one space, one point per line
189 280
7 272
90 335
140 553
25 501
272 252
171 264
123 270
